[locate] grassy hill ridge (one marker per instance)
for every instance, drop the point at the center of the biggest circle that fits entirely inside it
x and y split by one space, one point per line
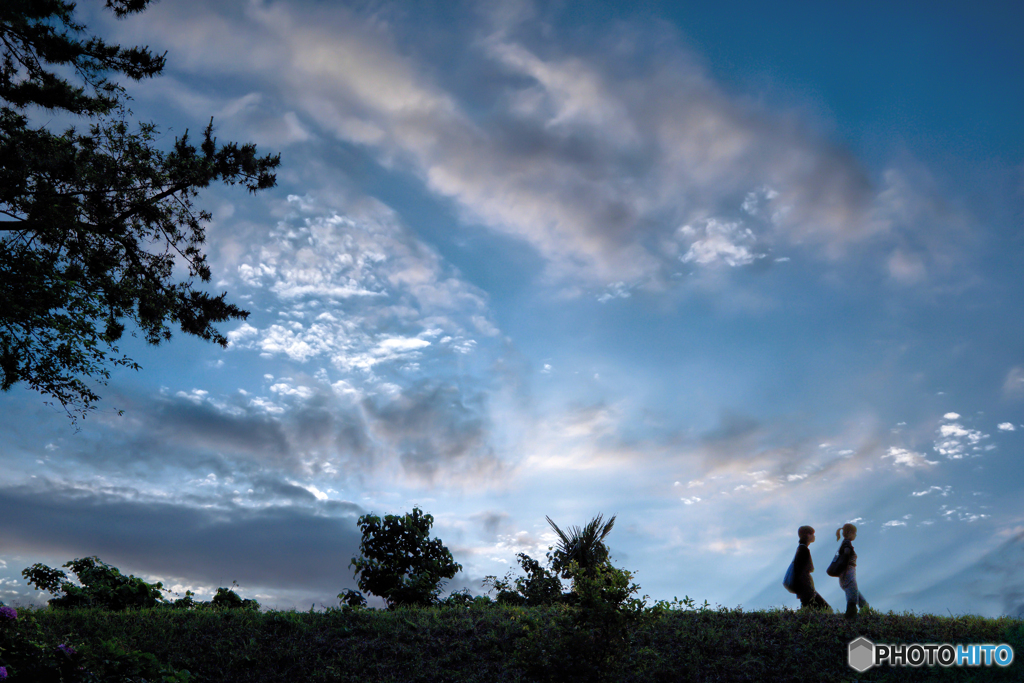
499 643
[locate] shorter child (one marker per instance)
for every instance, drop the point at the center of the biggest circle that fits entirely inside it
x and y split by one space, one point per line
848 578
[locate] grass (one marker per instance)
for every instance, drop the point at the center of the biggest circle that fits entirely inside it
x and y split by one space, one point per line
498 643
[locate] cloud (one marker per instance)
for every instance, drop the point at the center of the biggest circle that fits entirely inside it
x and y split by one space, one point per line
719 242
1006 427
783 452
298 438
491 522
616 290
941 490
1013 385
902 456
956 441
357 293
275 547
960 513
593 156
435 428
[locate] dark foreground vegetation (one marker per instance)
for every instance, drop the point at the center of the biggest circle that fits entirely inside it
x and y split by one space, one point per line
490 642
116 628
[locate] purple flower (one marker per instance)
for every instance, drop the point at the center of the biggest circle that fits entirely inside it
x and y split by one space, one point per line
66 649
8 613
3 672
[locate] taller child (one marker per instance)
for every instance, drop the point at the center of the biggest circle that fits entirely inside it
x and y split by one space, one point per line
802 568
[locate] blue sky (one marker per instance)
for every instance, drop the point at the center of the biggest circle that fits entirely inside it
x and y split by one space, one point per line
717 269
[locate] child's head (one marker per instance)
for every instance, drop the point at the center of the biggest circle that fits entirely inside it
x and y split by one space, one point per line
805 532
849 531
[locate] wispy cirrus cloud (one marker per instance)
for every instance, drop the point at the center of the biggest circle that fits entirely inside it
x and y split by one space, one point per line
1013 385
613 173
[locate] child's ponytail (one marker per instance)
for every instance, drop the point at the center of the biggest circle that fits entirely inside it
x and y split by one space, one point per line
838 531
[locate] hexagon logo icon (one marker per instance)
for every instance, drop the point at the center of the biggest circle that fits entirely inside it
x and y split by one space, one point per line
862 654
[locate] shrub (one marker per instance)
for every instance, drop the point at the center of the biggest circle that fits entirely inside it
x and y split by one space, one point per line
459 598
27 653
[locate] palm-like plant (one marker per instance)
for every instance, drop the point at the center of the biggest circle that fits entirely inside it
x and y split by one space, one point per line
584 546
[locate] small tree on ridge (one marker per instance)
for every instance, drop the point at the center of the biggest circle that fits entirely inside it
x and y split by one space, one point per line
400 562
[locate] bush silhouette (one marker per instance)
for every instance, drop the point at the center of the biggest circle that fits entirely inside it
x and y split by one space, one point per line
539 587
102 586
229 599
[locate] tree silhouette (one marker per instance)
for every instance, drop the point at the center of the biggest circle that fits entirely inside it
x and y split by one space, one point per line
400 562
92 222
584 546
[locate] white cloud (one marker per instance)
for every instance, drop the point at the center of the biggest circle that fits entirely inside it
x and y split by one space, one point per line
907 458
616 290
317 493
719 242
1006 427
961 514
956 441
285 389
242 334
196 396
357 292
894 523
941 490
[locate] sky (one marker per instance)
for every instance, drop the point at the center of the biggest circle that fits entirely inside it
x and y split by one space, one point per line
718 269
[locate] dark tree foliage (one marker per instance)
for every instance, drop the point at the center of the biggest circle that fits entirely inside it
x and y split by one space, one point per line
101 586
93 219
539 586
584 546
351 598
400 562
229 599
